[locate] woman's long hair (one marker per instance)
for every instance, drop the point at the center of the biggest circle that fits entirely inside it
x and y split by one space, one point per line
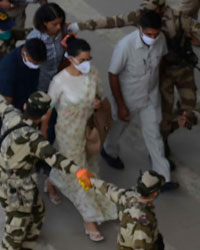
46 13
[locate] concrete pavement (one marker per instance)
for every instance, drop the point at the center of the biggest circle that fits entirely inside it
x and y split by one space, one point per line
178 212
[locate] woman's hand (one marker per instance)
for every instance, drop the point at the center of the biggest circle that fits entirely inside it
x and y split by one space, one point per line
44 130
96 103
44 123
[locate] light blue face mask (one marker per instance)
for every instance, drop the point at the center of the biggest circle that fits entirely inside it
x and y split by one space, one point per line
5 35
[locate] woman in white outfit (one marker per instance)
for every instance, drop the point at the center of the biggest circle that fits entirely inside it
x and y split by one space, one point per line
76 92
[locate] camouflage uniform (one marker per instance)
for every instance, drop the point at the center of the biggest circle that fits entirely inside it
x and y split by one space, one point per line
190 7
132 19
18 12
177 72
19 195
17 34
138 223
179 75
7 24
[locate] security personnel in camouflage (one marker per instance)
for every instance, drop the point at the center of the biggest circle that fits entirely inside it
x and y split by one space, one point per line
18 10
21 146
6 46
132 18
138 223
190 7
176 70
9 36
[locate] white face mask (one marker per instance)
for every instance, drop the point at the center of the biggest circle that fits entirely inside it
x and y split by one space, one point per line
83 67
30 65
148 40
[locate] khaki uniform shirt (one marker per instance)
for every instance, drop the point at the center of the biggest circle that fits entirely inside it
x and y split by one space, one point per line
18 154
138 224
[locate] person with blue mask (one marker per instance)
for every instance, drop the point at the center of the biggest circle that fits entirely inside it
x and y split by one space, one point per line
19 72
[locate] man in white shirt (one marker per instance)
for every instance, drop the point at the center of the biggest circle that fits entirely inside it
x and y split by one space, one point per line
134 81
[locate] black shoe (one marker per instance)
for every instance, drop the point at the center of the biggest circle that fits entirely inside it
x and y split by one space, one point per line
113 162
172 165
169 186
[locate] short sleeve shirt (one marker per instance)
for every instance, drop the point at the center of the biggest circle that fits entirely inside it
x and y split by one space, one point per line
138 68
16 79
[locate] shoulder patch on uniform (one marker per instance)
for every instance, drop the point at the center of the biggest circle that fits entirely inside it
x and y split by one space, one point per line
143 220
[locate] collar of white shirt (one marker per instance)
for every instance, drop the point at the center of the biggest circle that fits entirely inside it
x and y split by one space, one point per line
139 43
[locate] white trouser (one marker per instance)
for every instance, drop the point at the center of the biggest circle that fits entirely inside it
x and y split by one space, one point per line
149 123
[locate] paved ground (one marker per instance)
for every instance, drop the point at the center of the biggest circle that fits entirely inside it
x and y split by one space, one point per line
178 212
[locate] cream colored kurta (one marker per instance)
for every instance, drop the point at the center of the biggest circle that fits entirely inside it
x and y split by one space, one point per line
73 98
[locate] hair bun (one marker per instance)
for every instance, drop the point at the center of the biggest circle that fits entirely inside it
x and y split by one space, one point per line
74 45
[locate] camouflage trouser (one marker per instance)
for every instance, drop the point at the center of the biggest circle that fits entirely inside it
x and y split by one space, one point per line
22 229
183 79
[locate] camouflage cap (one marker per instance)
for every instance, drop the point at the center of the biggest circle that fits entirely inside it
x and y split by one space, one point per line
153 4
38 103
149 182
